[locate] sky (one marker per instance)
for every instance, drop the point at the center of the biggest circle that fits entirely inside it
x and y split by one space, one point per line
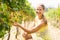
47 3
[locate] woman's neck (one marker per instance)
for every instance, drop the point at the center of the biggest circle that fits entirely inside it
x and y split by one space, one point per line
40 17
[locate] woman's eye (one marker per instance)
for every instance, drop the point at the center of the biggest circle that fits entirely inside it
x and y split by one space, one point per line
39 9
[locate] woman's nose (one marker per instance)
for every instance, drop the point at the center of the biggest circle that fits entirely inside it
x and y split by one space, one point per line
37 11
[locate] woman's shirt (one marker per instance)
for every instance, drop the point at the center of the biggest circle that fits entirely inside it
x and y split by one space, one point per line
37 22
42 33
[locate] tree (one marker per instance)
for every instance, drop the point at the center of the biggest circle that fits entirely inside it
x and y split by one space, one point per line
14 11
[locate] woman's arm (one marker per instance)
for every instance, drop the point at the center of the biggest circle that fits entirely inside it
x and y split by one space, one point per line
34 29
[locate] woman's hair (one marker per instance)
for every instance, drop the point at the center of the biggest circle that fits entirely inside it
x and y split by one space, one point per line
44 19
43 6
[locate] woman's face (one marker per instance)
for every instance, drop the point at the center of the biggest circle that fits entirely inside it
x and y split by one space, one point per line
39 11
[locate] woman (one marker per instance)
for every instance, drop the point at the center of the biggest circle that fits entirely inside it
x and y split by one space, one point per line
40 25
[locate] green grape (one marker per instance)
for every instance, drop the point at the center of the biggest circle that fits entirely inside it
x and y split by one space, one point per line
14 11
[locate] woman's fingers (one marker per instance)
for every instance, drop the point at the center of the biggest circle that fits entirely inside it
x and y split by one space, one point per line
15 24
24 34
27 36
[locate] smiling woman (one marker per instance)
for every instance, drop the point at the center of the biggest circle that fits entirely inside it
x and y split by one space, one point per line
39 28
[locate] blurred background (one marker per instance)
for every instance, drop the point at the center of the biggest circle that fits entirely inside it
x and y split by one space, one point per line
24 10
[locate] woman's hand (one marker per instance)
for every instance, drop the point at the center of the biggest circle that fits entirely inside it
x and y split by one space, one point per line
16 24
24 35
27 36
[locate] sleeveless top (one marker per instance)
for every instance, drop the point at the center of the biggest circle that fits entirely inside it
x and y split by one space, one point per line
41 31
38 22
